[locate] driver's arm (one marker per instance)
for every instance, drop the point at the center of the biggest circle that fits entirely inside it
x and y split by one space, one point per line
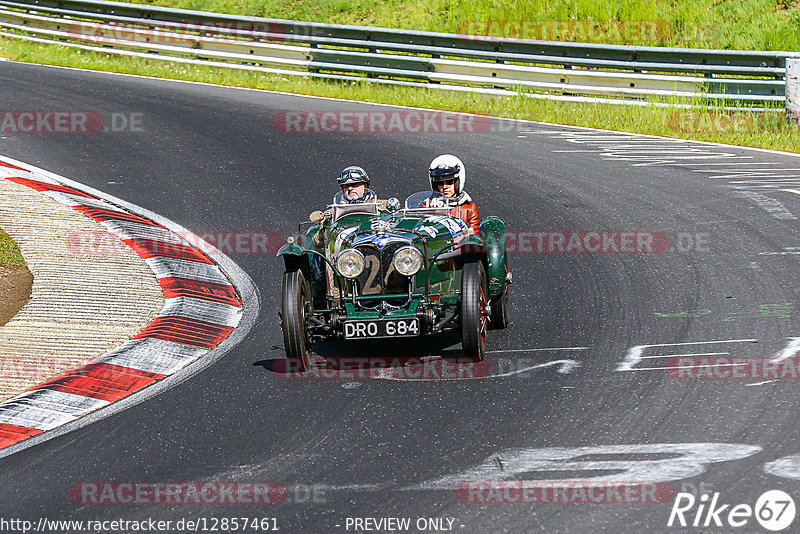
472 217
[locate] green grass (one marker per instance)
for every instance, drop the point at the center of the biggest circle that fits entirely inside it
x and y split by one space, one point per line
10 255
742 129
731 24
739 24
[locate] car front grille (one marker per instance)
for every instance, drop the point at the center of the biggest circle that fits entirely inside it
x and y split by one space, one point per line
380 276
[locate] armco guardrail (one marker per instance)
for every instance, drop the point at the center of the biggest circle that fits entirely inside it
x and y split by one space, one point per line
447 61
793 89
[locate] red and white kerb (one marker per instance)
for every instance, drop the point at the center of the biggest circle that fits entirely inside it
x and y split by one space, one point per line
202 308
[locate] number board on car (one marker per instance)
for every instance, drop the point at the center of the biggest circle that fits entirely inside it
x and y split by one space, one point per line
377 328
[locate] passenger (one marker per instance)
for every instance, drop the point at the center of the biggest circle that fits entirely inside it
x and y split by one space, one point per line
447 175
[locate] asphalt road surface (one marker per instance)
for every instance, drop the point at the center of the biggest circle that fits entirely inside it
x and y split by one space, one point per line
584 383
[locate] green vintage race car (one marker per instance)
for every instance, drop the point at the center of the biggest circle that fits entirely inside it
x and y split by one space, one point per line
379 270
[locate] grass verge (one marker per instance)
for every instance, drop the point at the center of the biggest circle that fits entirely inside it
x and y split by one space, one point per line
10 255
757 130
15 279
722 24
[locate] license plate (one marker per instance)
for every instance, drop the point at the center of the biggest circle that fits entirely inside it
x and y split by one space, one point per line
372 328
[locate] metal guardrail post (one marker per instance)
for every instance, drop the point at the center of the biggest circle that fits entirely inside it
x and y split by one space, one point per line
793 90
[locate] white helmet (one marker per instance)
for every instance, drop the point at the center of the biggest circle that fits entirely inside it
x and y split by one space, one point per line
445 167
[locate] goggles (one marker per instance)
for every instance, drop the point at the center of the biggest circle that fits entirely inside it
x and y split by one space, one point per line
444 173
352 176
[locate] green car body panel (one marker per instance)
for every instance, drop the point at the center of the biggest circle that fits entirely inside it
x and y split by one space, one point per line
380 291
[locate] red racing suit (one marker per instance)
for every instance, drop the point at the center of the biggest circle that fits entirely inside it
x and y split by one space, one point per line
467 211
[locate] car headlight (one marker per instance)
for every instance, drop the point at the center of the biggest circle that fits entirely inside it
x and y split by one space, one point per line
350 263
407 261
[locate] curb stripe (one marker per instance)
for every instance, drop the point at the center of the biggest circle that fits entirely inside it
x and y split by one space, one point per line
105 214
152 355
11 434
4 164
130 230
186 331
201 310
101 381
149 248
175 286
45 409
73 200
61 402
37 417
43 186
168 267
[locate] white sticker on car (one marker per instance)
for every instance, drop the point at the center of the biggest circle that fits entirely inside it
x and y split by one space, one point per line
456 227
340 239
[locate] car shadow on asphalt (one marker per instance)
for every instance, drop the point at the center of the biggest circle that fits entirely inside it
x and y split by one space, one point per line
339 354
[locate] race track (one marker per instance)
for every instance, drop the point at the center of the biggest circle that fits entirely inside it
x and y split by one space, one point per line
210 159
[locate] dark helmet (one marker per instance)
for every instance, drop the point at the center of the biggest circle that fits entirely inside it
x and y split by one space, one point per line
447 167
354 175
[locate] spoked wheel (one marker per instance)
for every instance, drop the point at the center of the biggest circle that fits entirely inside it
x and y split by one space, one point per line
295 308
474 312
499 316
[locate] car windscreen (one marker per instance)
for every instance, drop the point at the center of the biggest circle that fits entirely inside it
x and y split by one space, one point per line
427 203
426 199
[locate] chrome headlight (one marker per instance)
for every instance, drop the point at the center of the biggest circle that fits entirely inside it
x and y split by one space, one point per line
350 263
407 261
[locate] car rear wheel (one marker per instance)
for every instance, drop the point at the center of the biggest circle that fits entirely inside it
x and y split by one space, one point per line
295 307
474 313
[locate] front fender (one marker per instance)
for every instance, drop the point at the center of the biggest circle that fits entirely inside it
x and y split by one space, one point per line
291 249
493 230
293 255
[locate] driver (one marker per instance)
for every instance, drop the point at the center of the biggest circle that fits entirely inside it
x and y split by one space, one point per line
354 182
447 176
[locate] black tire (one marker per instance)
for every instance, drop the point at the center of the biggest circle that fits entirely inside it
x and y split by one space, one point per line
295 307
473 311
499 316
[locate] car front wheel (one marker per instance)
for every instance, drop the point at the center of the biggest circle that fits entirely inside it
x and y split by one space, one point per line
474 313
295 307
